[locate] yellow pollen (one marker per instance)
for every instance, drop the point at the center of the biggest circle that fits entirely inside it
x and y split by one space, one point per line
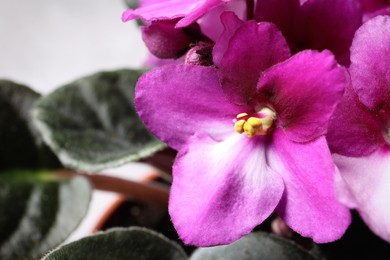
254 121
259 124
239 126
249 130
241 115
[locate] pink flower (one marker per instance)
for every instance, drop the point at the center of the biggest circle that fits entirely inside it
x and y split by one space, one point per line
187 10
172 25
250 136
359 130
314 24
372 8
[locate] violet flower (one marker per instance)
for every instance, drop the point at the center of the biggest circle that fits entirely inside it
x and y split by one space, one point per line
187 10
250 137
165 41
359 130
314 24
171 25
372 8
311 24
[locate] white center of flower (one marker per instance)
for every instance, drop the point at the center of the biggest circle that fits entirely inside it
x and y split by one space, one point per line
258 123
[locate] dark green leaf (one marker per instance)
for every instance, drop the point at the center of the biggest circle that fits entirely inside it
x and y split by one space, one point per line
91 124
121 243
21 146
38 212
257 246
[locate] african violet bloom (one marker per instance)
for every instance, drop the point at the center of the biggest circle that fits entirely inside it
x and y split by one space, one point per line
172 26
187 10
250 136
359 130
314 24
372 8
311 24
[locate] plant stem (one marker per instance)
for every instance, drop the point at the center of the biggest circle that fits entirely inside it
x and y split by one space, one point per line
147 192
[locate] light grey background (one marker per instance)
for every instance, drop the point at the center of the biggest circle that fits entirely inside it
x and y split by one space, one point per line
46 43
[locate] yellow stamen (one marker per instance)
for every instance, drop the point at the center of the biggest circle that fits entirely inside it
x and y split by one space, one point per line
254 121
249 130
239 126
241 115
258 124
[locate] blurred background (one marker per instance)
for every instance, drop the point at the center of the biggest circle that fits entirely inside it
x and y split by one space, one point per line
46 43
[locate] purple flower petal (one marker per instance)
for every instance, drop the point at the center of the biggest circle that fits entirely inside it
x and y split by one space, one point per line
221 191
280 12
304 91
370 65
368 178
231 23
252 49
199 12
164 40
211 24
162 10
353 129
343 193
314 24
191 10
309 205
176 101
328 24
374 5
383 11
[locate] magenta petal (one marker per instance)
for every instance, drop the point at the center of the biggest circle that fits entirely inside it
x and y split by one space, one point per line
280 12
231 23
221 191
374 5
211 24
368 178
343 192
328 24
383 11
199 11
353 129
163 10
252 49
304 91
164 40
370 65
176 101
309 205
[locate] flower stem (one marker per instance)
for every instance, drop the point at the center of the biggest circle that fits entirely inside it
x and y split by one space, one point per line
148 192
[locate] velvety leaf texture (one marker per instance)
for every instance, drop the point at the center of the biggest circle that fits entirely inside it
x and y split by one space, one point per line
91 124
120 243
21 146
38 212
260 246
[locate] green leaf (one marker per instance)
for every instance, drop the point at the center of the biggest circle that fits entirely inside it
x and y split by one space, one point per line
21 146
257 246
91 124
121 243
38 212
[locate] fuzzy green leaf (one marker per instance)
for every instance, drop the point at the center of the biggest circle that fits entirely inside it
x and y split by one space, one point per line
91 124
121 243
21 146
38 212
259 246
